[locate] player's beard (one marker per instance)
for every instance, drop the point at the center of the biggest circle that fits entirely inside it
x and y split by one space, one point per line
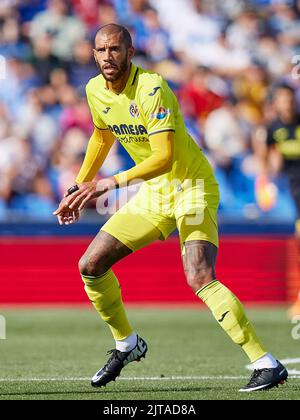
122 69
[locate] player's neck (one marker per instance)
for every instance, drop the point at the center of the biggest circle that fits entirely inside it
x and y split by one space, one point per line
119 85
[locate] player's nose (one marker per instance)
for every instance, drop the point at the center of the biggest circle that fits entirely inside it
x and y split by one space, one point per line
107 55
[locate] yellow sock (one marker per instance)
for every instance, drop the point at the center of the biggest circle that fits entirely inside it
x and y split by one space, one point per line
230 314
105 294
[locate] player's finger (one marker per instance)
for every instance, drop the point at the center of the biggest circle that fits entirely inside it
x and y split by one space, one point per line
83 203
71 218
72 197
56 212
65 203
76 215
60 209
60 219
77 201
65 218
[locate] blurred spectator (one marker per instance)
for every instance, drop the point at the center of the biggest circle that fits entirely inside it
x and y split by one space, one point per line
11 43
106 14
222 57
244 32
83 67
20 77
225 136
87 11
283 139
43 59
151 38
251 87
200 94
285 23
75 111
29 8
130 12
189 30
35 123
64 29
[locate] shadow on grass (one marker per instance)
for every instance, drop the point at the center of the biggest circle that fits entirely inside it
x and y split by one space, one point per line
109 392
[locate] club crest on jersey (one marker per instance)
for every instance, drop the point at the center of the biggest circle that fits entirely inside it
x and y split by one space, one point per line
161 113
134 111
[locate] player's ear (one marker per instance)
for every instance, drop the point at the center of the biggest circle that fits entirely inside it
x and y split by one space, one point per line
131 52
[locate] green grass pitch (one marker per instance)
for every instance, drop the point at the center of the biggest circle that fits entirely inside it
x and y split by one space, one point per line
52 353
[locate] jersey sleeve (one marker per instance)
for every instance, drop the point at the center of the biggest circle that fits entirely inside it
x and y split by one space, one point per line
159 108
98 122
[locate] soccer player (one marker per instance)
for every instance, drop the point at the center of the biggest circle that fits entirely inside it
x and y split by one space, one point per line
137 108
283 144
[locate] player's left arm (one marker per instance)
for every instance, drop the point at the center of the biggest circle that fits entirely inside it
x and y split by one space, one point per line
159 163
158 109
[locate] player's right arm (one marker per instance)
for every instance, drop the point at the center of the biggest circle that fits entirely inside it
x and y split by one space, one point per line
98 148
99 145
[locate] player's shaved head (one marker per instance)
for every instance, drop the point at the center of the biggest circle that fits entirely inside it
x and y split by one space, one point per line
113 29
113 52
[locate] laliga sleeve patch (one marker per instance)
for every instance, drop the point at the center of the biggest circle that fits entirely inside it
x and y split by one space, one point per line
161 113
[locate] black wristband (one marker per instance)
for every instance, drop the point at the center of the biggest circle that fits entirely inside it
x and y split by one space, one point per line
72 190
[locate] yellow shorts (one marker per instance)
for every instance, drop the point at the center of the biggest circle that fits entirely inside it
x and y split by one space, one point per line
150 216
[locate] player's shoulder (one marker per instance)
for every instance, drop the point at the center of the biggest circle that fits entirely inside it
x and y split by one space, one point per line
150 83
93 85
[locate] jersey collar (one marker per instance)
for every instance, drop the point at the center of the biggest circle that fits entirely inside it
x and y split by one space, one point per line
132 77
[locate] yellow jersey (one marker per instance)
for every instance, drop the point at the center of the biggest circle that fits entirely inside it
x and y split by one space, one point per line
145 107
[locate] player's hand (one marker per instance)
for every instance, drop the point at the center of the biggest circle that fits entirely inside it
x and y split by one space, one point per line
90 190
74 203
68 217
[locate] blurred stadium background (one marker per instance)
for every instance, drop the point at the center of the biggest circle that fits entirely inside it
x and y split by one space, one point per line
222 59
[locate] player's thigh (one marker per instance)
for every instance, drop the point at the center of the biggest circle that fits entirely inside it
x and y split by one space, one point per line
132 228
200 226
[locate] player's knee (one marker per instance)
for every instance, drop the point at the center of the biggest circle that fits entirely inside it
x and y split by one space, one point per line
92 267
199 280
